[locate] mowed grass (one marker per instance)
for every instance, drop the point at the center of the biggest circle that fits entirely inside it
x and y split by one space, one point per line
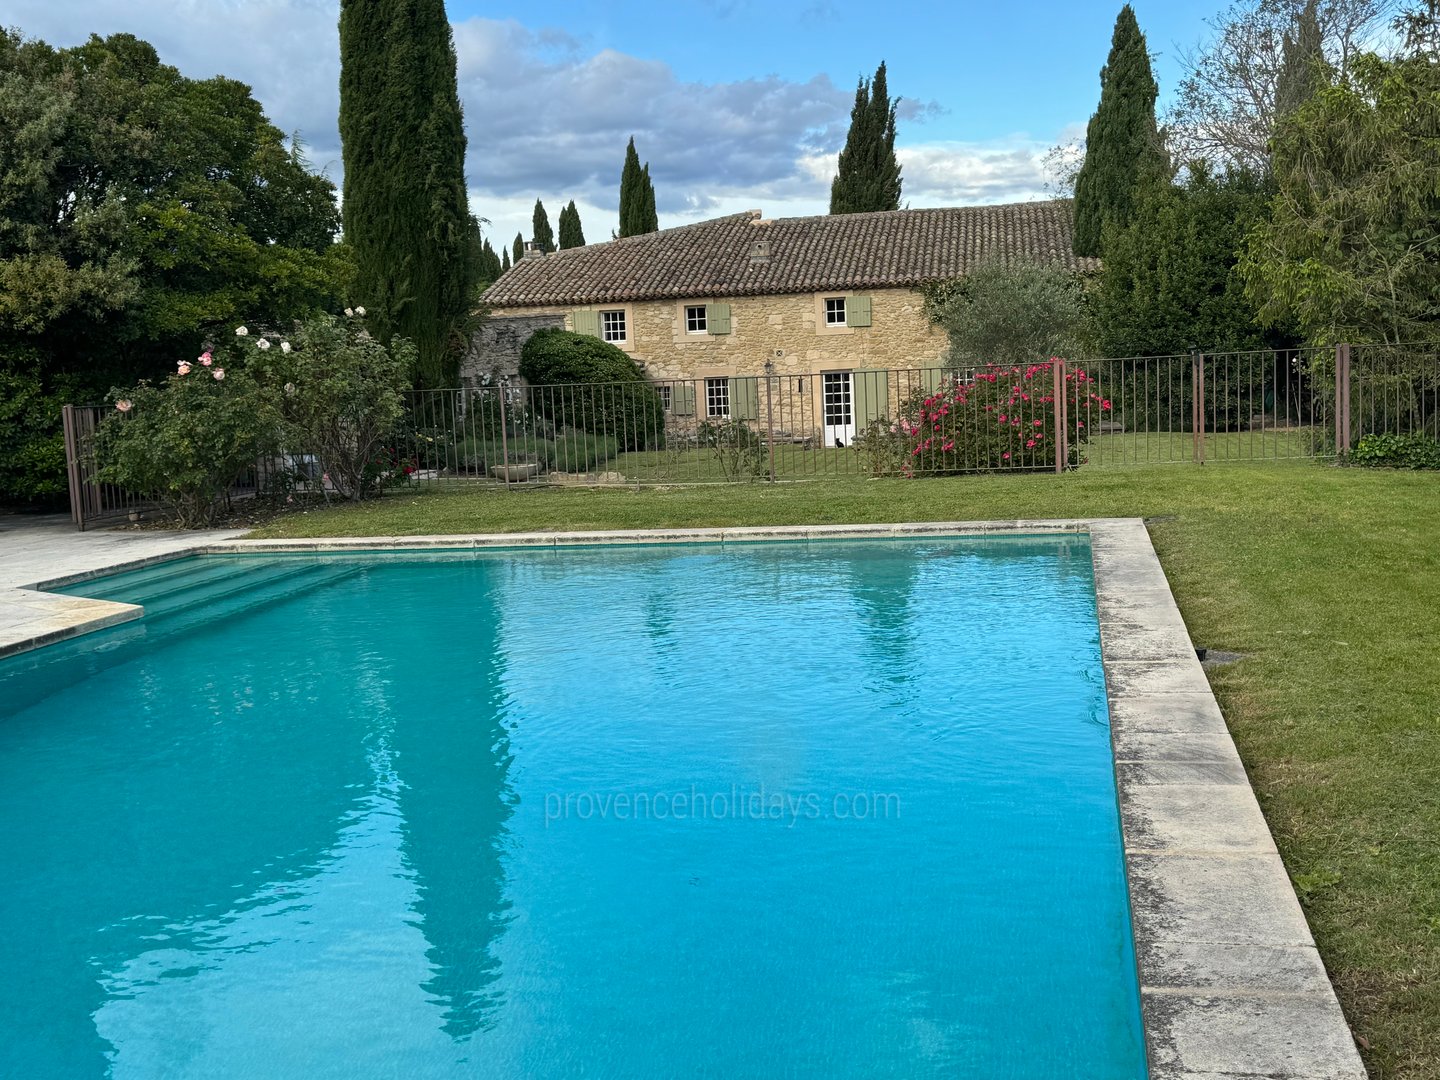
1327 579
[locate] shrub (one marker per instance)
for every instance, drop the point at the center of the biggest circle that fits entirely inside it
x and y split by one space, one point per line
737 448
1013 313
605 392
569 451
340 396
32 467
1000 417
186 442
1396 452
883 447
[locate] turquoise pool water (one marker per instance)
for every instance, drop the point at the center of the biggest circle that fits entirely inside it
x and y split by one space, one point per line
775 810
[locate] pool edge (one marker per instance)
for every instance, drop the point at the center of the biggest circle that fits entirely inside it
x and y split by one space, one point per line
1231 983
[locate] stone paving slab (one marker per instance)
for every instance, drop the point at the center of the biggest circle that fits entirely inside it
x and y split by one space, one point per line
1231 985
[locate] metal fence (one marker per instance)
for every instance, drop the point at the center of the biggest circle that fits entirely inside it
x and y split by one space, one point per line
779 426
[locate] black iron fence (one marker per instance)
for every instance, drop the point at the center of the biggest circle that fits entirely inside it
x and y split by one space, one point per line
778 425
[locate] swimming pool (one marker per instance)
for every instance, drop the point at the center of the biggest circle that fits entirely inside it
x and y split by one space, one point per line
788 809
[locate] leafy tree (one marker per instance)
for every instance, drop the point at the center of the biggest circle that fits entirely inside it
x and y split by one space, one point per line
869 174
637 196
519 248
1351 251
1010 314
571 234
1233 86
544 235
407 214
1122 144
1170 282
139 211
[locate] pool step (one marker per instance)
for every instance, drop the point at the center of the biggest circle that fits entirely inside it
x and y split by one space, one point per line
244 586
133 585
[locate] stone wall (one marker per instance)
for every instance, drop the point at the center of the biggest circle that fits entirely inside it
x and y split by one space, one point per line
494 352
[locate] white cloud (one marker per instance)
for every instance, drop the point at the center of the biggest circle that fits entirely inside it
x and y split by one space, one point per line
546 118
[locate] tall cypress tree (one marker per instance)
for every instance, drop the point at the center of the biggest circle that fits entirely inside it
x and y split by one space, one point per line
1122 143
519 247
1300 71
407 215
543 234
647 207
490 268
571 234
637 196
504 259
868 177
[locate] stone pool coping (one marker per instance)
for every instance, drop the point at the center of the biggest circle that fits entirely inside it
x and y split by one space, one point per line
1231 984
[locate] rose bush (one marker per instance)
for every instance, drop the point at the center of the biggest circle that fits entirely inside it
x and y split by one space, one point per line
999 417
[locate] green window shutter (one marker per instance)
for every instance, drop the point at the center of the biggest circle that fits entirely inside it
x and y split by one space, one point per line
745 398
682 399
857 311
872 396
931 378
587 322
717 318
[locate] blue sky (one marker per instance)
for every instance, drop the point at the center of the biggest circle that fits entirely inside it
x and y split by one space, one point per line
736 104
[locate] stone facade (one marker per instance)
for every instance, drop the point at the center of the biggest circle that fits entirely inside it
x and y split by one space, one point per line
789 331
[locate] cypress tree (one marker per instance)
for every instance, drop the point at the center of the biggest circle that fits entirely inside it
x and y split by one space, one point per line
1122 143
868 177
490 268
637 196
647 208
504 259
543 234
519 247
406 211
1300 71
571 234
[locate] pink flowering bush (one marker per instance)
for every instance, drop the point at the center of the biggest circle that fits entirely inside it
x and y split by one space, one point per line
1000 416
185 442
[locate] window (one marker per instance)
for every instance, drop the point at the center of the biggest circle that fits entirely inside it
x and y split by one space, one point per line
834 311
663 389
612 326
717 397
695 319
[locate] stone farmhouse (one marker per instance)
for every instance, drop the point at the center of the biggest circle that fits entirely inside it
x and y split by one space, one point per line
825 307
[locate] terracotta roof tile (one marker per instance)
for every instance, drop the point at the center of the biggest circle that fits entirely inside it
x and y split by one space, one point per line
892 249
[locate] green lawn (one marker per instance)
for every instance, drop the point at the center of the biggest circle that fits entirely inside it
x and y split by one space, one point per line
1327 579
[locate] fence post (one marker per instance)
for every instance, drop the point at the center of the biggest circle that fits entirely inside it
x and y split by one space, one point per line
72 466
1062 449
1342 399
504 439
1197 406
770 414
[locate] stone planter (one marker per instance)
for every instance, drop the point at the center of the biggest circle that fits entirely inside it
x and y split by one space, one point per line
516 473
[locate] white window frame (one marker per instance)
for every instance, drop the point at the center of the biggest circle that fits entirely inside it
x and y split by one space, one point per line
696 323
717 397
835 305
608 331
666 392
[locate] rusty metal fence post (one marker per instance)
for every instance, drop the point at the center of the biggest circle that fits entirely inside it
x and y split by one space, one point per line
770 414
1062 428
1342 399
1197 406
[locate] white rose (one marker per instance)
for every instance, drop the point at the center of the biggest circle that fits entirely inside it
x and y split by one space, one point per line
263 343
349 312
359 311
285 346
240 331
